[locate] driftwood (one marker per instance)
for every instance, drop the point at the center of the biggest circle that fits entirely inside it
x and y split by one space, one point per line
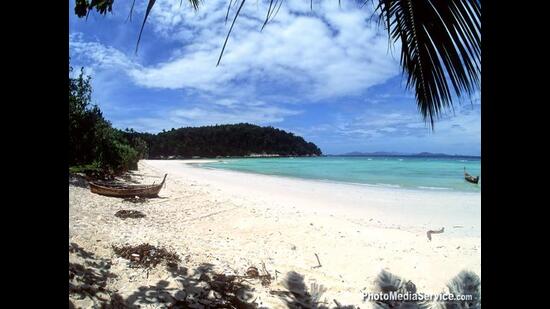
319 262
430 232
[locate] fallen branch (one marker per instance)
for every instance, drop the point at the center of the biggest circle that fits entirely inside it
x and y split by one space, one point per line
319 262
430 232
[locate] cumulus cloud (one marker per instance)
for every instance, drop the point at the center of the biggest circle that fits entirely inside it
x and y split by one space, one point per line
219 112
330 52
332 56
98 55
397 128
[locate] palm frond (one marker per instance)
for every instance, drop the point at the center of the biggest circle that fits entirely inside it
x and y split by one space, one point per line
440 43
230 29
268 14
387 283
272 11
194 3
228 9
131 11
466 283
149 7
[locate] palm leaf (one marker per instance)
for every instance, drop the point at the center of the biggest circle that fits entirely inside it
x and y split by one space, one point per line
149 7
272 12
131 11
194 3
387 283
230 29
440 48
269 10
466 283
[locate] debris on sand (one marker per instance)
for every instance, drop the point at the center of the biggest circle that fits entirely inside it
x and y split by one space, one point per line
134 214
430 232
318 262
146 255
253 273
137 200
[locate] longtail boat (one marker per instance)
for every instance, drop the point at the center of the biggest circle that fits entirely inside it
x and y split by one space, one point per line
470 178
124 190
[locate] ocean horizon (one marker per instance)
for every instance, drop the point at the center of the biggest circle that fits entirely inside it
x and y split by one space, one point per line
394 171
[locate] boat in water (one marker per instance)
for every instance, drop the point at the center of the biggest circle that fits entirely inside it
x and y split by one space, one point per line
470 178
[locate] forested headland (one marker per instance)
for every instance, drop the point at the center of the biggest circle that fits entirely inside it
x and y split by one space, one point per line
97 148
238 140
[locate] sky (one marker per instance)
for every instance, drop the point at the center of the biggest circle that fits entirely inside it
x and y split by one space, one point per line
330 75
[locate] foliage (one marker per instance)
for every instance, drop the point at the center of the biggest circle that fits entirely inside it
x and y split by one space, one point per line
99 150
440 42
94 145
224 140
465 284
83 7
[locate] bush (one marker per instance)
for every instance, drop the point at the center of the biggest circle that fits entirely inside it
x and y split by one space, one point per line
95 147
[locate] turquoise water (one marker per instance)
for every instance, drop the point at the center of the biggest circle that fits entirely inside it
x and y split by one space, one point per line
399 172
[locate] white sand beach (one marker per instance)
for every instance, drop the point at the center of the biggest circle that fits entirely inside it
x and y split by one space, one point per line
235 220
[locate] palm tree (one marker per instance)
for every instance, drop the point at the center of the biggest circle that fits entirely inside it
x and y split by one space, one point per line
440 43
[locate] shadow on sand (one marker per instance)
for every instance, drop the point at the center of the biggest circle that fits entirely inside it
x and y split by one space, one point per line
202 287
466 283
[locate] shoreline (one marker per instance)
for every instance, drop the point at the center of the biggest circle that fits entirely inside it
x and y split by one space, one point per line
469 189
330 181
415 210
231 221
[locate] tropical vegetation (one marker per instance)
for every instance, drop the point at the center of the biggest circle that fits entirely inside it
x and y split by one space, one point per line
98 149
238 140
95 147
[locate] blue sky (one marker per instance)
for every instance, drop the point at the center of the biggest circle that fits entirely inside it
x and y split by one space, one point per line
329 75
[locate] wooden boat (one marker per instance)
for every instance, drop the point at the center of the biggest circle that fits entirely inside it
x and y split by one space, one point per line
470 178
123 190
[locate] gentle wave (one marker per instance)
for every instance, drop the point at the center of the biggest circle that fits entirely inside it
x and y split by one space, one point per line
386 172
378 185
433 188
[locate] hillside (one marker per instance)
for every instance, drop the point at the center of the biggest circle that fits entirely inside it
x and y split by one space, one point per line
224 140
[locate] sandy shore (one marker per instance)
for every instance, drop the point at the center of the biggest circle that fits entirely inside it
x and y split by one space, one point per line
235 220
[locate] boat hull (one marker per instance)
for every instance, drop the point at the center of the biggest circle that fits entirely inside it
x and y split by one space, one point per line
472 179
127 191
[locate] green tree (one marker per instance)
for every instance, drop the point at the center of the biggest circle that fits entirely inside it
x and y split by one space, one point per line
94 145
440 43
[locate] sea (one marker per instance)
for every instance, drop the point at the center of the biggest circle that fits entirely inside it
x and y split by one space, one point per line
406 172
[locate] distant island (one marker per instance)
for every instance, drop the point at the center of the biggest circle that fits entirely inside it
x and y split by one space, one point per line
231 140
402 154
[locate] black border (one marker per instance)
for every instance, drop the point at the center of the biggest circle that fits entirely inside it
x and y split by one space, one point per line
39 81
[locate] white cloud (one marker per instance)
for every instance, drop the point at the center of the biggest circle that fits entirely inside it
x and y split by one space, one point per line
99 55
302 56
207 114
323 54
401 129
